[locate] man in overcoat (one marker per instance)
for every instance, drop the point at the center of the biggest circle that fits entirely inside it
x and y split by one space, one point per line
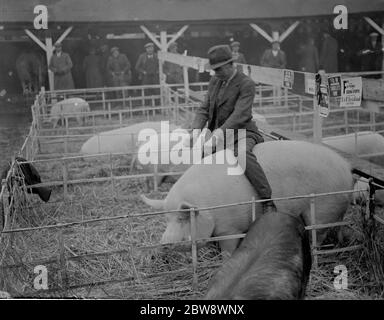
61 65
228 105
148 65
372 54
274 57
119 68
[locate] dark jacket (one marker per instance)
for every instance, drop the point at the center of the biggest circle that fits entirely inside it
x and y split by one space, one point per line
309 58
270 61
61 67
328 55
234 110
146 65
372 57
93 74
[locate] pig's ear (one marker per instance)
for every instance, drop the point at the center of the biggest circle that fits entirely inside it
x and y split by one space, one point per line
186 207
205 224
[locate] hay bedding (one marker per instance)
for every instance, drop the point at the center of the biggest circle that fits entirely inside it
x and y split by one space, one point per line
149 274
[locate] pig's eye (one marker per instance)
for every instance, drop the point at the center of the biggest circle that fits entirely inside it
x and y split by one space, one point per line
180 219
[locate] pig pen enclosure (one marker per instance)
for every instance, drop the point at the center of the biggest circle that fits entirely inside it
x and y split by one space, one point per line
97 239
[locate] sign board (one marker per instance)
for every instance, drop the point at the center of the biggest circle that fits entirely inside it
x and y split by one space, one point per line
334 86
288 79
310 84
351 92
324 101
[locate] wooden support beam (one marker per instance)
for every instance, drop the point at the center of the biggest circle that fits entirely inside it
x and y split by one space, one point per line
151 36
261 31
34 38
64 35
287 32
163 48
317 125
186 79
177 35
49 53
374 25
275 34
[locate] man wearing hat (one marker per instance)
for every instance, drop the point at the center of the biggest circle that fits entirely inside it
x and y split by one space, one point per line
274 57
228 105
119 68
372 54
61 65
148 65
237 55
173 71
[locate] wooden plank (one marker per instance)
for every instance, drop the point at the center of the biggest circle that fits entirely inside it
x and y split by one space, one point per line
332 251
373 89
313 232
194 248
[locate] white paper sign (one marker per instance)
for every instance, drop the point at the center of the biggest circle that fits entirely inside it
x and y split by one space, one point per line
310 84
351 92
324 103
288 79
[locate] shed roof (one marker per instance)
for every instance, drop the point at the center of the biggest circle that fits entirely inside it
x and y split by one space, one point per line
176 10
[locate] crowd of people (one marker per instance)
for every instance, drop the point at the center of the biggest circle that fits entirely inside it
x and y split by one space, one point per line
111 68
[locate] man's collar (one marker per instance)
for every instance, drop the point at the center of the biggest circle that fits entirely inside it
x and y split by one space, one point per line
226 82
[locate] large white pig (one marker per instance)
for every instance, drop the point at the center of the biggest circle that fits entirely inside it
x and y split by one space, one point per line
367 142
69 107
123 140
292 168
163 147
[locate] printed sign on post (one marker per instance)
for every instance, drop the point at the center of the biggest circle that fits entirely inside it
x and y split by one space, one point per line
310 84
351 92
289 77
334 86
200 65
324 101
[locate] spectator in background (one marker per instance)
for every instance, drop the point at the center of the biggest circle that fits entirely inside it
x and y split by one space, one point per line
308 56
119 68
91 67
372 54
237 55
174 72
328 54
104 56
61 65
148 65
274 57
354 45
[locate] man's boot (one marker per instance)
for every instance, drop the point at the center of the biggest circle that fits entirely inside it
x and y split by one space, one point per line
269 207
